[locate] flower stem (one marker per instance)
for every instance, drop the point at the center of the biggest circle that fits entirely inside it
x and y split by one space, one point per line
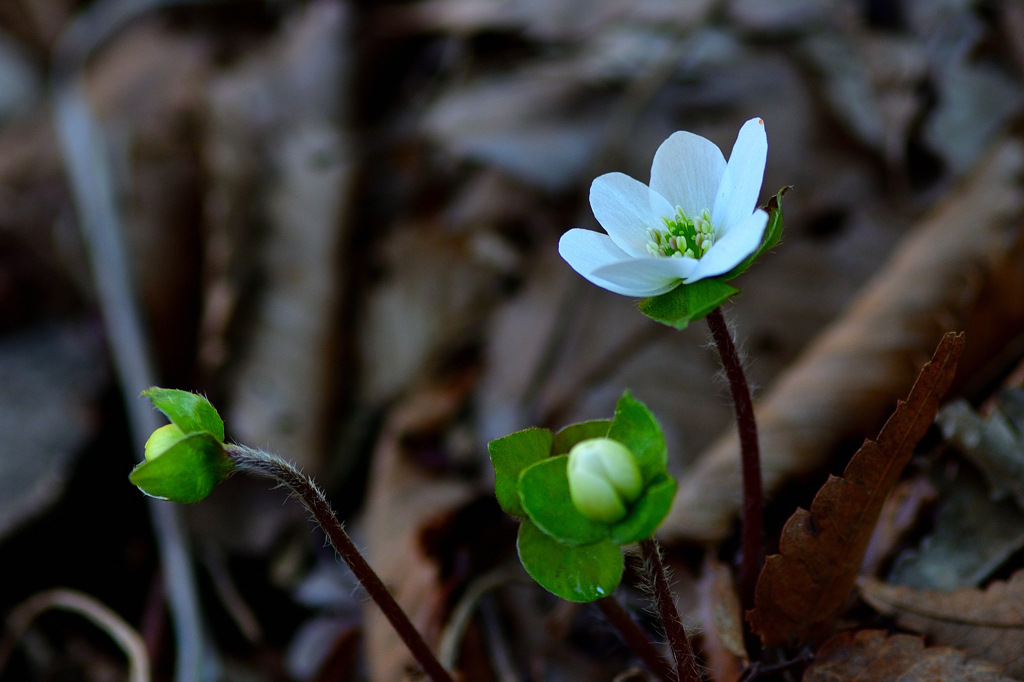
635 638
752 533
255 461
686 664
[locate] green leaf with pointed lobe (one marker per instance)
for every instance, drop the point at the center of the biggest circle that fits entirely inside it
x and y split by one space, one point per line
635 427
574 433
687 302
647 513
578 574
544 492
186 472
509 456
189 412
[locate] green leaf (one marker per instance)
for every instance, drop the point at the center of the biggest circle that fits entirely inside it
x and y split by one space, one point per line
544 492
187 472
577 574
574 433
509 456
687 302
189 412
647 513
635 427
772 234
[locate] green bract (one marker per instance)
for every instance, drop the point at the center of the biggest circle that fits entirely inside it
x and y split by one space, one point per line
184 459
569 553
691 302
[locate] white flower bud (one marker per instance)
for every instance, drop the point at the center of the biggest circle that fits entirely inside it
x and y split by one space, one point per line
162 440
603 479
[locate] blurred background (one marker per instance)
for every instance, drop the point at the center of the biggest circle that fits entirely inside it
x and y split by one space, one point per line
339 220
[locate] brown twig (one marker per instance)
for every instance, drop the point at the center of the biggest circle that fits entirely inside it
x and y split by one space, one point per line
686 664
635 638
752 532
255 461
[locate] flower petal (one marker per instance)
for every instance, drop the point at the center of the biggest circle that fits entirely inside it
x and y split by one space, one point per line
643 277
586 250
729 251
687 170
626 208
741 183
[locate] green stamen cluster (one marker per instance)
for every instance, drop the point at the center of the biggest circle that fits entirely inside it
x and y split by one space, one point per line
682 236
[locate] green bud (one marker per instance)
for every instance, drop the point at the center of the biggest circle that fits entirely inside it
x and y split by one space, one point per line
162 440
603 479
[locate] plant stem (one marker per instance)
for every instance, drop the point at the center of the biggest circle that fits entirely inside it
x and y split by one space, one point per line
635 638
255 461
752 533
686 664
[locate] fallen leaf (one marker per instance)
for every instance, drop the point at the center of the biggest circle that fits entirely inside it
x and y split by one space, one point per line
987 624
721 622
844 380
972 537
871 656
993 443
804 587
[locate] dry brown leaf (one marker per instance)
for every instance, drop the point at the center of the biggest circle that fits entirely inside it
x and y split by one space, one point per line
722 624
403 497
871 656
987 624
845 381
804 587
899 515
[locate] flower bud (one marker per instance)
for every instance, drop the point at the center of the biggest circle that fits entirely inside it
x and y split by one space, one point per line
162 440
603 479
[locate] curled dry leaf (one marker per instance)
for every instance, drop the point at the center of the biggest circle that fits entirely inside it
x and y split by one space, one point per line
802 589
871 656
722 624
403 497
845 381
987 624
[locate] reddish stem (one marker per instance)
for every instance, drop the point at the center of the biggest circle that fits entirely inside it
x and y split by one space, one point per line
686 664
313 499
752 532
635 638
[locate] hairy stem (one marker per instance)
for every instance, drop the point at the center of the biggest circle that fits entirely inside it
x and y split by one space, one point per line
752 533
686 664
313 499
635 638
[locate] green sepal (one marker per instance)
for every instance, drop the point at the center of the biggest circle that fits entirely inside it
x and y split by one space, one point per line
544 493
647 513
574 433
509 456
577 574
687 302
189 412
186 472
635 427
772 234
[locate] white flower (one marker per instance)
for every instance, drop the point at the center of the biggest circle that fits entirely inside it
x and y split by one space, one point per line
698 218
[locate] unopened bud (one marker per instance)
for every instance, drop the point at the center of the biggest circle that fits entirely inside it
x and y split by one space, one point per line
603 479
162 440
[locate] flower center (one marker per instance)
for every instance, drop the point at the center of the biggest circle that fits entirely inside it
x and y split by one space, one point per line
681 236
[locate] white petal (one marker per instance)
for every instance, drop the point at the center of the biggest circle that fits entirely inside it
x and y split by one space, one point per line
642 277
586 250
626 208
729 251
687 170
741 183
